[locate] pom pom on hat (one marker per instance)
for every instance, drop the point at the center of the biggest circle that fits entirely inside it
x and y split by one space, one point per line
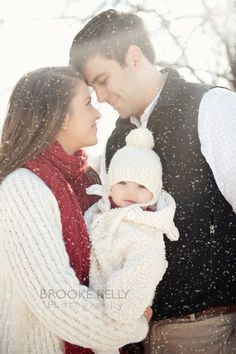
137 162
141 137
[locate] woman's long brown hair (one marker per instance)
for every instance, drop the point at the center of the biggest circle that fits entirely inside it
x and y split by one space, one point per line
37 109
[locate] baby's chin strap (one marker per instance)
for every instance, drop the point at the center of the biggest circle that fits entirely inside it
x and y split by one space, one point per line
167 202
98 189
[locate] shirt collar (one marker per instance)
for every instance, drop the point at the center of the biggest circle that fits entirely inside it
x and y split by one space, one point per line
142 121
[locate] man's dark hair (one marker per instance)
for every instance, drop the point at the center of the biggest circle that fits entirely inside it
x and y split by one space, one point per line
110 34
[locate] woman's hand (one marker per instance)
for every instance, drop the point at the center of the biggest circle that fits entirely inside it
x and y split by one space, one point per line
148 313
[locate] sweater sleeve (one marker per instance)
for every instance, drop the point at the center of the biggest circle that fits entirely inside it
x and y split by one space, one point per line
133 285
40 269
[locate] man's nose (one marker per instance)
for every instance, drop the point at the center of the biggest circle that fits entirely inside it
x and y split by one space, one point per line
101 94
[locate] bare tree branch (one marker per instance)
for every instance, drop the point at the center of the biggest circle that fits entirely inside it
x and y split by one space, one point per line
205 23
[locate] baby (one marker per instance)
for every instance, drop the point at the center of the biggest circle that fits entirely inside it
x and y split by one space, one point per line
126 228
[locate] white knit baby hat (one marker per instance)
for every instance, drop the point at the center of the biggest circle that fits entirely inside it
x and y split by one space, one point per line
137 162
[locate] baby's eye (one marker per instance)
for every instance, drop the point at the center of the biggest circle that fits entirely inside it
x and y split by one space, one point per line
141 186
123 183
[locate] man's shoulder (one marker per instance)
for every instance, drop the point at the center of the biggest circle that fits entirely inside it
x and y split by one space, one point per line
219 92
117 138
194 89
123 123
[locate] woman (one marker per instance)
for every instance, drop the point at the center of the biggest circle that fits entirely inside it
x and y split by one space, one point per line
46 306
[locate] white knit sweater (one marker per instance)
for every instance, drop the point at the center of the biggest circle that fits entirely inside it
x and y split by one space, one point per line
42 303
128 254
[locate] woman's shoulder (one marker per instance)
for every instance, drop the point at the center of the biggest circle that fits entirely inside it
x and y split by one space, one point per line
22 176
19 174
24 182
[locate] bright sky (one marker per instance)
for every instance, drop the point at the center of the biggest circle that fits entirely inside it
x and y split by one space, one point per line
31 37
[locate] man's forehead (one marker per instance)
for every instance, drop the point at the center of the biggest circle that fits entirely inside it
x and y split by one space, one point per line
95 67
95 60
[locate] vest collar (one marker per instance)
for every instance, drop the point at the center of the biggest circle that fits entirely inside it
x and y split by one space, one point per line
169 92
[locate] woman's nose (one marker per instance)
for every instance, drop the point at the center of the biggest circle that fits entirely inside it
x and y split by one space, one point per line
97 114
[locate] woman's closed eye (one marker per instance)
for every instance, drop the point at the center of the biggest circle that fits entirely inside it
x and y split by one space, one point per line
89 102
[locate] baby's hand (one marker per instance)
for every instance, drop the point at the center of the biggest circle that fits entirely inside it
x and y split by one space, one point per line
148 313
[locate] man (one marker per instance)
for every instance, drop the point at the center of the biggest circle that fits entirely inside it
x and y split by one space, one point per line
194 129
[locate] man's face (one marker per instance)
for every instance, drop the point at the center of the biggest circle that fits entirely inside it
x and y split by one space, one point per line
114 84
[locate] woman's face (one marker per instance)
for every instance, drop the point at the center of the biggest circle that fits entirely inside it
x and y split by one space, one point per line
79 128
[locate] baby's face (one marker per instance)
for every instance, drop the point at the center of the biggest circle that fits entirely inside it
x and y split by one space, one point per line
126 193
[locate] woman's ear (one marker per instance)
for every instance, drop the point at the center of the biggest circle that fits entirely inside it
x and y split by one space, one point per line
66 122
64 126
61 133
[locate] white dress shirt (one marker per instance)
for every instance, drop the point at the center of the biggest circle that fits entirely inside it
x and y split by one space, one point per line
143 120
217 135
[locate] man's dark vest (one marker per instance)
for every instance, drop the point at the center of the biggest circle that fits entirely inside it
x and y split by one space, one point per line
201 271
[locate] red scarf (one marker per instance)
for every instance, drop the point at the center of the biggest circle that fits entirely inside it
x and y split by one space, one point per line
67 177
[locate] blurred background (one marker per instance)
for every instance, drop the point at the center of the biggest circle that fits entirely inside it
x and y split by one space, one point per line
198 38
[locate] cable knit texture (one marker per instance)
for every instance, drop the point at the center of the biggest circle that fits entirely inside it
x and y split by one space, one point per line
66 177
128 254
42 302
